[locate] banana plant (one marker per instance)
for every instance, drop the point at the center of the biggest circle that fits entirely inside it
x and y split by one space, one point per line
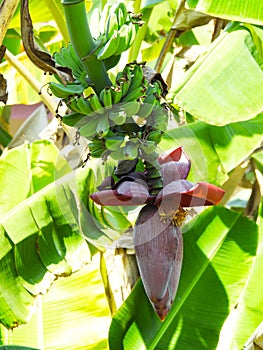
125 118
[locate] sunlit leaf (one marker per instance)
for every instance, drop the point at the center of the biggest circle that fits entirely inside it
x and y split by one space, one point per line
235 10
236 141
220 86
73 315
49 234
27 169
196 140
247 315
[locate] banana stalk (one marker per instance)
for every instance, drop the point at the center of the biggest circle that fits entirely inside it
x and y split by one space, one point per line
83 43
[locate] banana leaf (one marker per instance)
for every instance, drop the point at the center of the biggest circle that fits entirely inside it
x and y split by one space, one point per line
52 233
219 249
246 317
74 314
16 347
219 87
234 10
215 150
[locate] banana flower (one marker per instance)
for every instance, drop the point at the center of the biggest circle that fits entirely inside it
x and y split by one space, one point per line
157 234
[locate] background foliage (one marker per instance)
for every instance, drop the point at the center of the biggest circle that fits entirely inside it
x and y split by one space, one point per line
214 71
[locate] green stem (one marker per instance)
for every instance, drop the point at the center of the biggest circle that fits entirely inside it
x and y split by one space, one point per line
83 43
135 49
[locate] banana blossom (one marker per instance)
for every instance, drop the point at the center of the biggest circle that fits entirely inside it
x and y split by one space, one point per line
157 235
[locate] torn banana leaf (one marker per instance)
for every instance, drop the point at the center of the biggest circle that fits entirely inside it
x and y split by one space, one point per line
52 233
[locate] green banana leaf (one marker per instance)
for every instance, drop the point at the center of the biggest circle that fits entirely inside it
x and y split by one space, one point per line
234 10
74 314
205 162
235 142
16 347
215 151
224 85
26 169
52 233
245 318
219 249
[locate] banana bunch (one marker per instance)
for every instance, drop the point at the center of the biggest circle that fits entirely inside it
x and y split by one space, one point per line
152 99
67 57
116 33
132 82
130 88
110 120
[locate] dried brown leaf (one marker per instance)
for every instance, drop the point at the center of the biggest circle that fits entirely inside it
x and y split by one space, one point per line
3 83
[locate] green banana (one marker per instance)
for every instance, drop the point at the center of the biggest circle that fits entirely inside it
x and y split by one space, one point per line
94 21
104 16
95 103
103 126
123 41
127 71
80 69
124 75
137 77
60 59
134 94
118 154
147 106
130 150
97 147
97 153
118 118
125 85
74 119
84 106
127 35
145 110
148 147
64 92
121 12
67 57
155 136
110 47
159 119
112 25
72 104
111 61
70 59
106 97
114 143
130 108
155 88
132 31
89 129
116 94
